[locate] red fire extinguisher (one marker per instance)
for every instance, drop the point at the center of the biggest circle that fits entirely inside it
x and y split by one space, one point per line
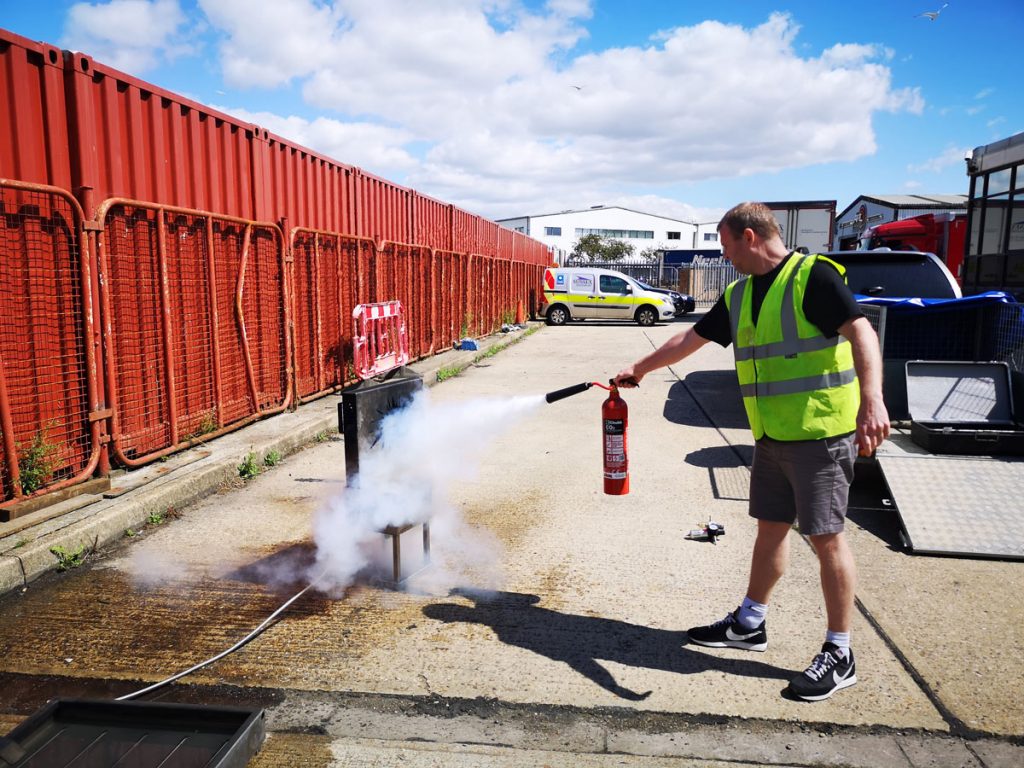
614 420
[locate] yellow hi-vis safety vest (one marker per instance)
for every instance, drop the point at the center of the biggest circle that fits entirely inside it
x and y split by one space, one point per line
796 383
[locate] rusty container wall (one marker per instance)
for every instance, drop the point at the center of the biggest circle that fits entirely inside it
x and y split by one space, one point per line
463 231
46 438
34 130
433 221
506 244
308 190
133 140
486 237
384 209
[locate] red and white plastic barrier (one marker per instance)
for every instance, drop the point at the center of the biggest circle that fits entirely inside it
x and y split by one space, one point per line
380 343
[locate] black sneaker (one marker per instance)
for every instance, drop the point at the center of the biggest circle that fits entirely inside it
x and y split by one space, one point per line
729 633
828 673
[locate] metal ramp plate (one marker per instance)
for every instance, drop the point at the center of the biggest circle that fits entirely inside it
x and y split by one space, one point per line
958 505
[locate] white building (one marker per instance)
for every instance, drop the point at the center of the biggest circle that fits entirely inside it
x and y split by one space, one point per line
869 210
643 231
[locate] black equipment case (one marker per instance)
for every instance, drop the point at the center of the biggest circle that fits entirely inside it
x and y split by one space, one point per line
963 408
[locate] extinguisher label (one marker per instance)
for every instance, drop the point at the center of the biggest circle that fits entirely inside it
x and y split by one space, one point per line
615 449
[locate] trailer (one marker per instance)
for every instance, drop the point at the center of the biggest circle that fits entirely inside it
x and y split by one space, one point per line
806 225
949 502
994 257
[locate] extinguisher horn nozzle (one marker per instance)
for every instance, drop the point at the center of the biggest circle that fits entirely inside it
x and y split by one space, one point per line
575 389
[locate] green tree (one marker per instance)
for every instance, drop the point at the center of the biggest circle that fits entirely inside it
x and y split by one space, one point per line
596 248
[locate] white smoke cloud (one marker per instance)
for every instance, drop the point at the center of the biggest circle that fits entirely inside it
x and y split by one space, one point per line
406 479
130 35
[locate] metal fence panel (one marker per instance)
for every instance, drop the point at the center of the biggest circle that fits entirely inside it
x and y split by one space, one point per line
707 281
45 365
195 318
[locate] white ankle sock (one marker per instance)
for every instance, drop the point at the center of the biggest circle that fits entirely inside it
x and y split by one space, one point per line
751 613
842 639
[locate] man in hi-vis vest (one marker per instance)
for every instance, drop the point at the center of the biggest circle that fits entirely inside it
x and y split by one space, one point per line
810 374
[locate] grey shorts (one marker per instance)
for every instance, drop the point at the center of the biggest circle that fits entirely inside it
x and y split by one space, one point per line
805 480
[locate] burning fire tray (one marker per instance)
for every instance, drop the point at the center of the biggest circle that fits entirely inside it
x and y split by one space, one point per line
127 734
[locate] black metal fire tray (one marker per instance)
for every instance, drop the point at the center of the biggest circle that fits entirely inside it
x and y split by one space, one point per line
128 734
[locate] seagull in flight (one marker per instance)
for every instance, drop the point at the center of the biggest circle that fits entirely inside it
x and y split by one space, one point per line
932 15
577 87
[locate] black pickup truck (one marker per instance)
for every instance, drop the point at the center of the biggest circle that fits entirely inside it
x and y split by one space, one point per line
897 274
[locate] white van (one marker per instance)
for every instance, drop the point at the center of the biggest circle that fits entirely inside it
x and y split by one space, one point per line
576 293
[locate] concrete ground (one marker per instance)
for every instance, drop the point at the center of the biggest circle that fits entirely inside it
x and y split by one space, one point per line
549 629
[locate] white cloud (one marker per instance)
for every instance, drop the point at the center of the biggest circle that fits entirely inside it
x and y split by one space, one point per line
470 100
375 148
949 157
984 93
270 44
130 35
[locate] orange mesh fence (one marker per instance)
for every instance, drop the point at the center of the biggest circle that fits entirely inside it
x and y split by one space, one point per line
47 438
195 325
407 271
330 279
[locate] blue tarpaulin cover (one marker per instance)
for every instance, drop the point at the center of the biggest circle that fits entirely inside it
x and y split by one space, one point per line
981 299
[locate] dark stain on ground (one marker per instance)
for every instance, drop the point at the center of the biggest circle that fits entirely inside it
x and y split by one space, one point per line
581 641
288 567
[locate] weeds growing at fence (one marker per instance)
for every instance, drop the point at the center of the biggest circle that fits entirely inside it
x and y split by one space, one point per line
207 424
248 469
37 463
450 371
66 559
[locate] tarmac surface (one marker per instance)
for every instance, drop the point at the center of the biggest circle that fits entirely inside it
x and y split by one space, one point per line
549 628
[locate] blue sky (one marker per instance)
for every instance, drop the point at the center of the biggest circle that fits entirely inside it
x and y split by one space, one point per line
508 108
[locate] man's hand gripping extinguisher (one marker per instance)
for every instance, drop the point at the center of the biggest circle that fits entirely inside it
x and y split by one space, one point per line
614 421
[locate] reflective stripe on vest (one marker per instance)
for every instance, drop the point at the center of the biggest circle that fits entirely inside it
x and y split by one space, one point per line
811 380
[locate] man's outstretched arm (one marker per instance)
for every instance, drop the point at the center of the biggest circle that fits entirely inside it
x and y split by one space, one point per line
672 351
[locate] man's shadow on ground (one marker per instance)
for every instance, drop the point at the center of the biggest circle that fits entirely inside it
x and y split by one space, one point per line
581 641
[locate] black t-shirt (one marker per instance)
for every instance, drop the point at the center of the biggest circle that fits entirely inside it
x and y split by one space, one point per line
828 303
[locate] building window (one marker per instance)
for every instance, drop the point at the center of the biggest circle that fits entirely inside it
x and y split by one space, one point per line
521 229
630 234
710 237
553 231
674 235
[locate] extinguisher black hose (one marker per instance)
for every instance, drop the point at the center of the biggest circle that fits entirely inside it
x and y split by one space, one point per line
575 389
